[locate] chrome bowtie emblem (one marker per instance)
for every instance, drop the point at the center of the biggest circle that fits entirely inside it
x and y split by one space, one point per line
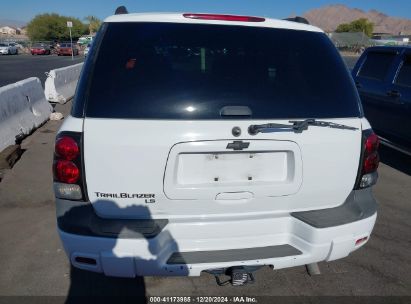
238 145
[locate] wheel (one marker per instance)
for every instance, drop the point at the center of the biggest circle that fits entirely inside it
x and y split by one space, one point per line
17 51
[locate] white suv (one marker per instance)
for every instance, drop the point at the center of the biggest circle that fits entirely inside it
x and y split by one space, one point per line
215 143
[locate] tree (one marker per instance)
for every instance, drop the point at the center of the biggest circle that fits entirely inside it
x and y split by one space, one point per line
359 25
50 27
93 24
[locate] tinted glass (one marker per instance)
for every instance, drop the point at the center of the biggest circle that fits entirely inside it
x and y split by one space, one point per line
376 65
404 75
2 44
187 71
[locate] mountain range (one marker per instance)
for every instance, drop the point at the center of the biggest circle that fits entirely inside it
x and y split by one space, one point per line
13 23
329 17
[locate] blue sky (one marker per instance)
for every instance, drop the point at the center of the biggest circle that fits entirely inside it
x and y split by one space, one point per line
24 10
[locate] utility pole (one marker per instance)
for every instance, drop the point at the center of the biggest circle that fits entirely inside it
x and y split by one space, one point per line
70 25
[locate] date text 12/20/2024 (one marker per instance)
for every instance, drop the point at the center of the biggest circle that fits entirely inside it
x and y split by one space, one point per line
203 299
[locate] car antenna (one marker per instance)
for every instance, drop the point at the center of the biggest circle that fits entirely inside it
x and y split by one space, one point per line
121 10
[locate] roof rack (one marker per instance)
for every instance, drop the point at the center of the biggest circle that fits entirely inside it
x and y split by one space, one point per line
297 19
121 10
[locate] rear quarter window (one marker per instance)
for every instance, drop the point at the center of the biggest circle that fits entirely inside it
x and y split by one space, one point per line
404 75
192 71
377 65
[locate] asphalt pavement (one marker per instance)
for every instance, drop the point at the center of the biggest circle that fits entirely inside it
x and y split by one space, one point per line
14 68
33 262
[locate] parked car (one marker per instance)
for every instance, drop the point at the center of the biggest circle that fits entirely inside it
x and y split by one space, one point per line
65 49
40 49
383 79
87 49
8 49
207 145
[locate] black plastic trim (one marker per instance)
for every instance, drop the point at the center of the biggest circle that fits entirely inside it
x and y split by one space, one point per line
359 205
80 218
221 256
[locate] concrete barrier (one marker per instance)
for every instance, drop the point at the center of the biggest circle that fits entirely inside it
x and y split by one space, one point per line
23 107
61 83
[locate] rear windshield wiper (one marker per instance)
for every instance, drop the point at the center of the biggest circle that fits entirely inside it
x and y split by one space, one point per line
297 126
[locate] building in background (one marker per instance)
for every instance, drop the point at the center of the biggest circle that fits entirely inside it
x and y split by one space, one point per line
9 30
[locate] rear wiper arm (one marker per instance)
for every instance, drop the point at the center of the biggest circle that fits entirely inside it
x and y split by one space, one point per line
297 126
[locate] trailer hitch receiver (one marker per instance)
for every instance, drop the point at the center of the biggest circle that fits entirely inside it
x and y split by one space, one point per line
238 275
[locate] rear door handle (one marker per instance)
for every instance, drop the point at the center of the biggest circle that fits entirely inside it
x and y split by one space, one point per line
394 93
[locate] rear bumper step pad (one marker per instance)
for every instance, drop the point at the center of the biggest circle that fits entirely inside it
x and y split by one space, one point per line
220 256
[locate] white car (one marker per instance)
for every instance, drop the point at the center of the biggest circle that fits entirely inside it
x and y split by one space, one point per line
8 49
213 143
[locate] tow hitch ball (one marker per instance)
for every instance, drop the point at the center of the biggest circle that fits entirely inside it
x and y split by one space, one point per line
238 275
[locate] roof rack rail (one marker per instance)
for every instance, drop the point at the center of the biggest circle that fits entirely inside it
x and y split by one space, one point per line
121 10
297 19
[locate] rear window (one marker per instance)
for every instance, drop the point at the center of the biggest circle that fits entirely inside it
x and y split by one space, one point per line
377 65
404 75
192 71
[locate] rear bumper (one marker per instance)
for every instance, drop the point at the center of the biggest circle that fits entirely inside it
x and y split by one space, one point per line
181 248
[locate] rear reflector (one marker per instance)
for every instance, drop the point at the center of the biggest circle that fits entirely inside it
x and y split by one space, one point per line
84 260
224 17
361 240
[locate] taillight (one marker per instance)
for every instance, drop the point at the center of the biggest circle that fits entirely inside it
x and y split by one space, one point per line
67 148
224 17
66 171
367 172
67 166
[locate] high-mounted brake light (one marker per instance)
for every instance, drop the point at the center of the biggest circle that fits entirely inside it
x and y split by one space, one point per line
224 17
